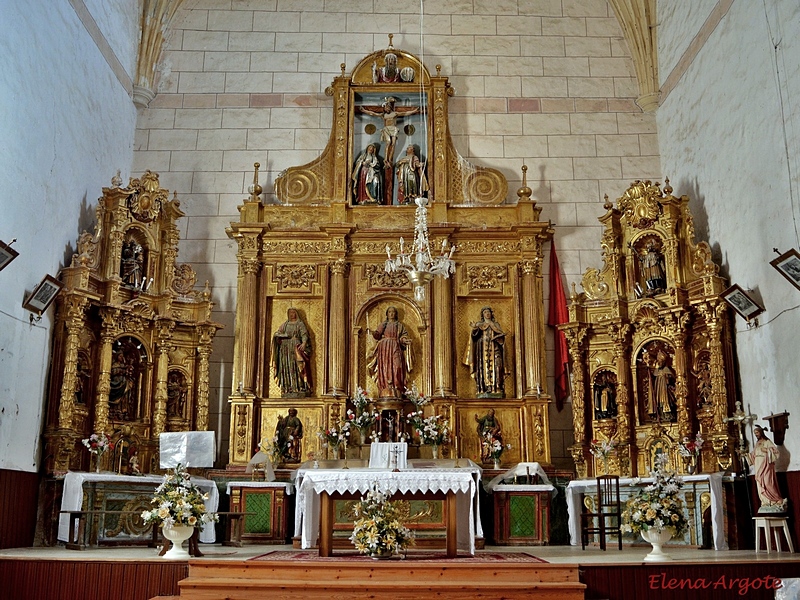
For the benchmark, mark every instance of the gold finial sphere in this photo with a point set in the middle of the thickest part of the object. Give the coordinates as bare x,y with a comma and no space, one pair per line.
607,205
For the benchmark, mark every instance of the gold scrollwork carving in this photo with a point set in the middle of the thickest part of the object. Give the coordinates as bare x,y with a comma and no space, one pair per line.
380,279
640,204
296,276
489,247
487,277
486,187
184,279
594,285
299,187
146,197
271,247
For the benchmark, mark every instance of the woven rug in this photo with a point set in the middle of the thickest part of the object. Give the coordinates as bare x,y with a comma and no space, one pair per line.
481,557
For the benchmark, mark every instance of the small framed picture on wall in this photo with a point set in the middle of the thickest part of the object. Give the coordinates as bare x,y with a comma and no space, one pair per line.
788,265
7,254
43,294
742,302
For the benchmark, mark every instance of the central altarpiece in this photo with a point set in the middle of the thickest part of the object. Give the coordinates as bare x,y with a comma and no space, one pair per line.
312,270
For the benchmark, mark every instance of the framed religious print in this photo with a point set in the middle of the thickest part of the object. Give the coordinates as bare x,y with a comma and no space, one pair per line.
788,265
43,294
741,302
7,254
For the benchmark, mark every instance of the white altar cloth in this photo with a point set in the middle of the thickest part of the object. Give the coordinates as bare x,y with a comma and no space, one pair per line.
380,455
580,486
289,487
519,470
72,498
310,483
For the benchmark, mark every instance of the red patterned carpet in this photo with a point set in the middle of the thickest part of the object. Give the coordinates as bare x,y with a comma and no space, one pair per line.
482,557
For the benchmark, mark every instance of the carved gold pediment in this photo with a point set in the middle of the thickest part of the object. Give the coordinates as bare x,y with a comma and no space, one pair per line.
640,204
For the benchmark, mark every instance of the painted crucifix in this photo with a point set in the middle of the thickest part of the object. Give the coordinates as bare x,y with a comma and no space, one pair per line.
390,113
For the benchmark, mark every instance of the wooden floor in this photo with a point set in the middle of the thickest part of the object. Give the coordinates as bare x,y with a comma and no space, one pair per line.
138,574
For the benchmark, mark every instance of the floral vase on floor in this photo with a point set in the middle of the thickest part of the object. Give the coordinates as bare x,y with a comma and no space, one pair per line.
657,537
177,534
381,554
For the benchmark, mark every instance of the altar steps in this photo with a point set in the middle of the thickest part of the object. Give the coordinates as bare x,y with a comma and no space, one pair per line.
400,580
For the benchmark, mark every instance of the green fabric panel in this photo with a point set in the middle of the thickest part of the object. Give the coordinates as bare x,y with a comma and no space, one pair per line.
522,511
261,521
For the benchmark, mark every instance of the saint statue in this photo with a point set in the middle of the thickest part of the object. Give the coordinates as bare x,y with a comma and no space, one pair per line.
488,430
391,360
763,457
389,73
484,356
661,388
367,178
411,180
289,432
132,268
291,357
652,267
605,404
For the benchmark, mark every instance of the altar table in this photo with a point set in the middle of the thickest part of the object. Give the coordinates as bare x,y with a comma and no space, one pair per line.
628,486
459,485
132,485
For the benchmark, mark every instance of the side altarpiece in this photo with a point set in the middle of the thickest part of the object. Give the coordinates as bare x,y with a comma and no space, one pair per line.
321,250
132,338
650,343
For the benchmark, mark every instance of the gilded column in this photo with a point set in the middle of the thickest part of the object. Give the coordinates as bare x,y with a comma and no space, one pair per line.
619,334
533,324
337,343
575,336
164,334
678,336
108,333
442,325
246,306
73,313
203,355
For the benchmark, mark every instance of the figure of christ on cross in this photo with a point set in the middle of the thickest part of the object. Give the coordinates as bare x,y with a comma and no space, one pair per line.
390,115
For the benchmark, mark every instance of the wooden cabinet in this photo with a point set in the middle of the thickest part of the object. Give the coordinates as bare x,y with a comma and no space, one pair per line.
267,502
522,515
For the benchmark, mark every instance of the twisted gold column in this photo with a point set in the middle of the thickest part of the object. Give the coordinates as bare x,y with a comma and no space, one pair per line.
533,326
337,343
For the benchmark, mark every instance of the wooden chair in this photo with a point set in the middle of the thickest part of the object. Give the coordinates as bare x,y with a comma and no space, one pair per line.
608,508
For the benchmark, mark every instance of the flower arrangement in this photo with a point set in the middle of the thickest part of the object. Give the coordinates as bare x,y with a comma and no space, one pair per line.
335,435
275,449
493,446
416,398
379,530
691,449
362,418
602,450
98,443
658,505
433,430
178,502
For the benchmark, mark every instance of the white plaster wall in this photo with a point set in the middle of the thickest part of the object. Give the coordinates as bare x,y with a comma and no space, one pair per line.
678,23
730,138
66,126
545,82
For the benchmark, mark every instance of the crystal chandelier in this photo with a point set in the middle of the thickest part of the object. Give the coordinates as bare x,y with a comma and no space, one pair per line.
419,264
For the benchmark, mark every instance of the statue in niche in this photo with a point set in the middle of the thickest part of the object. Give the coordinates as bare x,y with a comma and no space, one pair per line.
126,367
291,357
367,177
289,432
411,179
489,430
661,403
132,267
391,359
763,457
390,113
605,395
83,375
484,355
389,73
653,271
177,391
703,378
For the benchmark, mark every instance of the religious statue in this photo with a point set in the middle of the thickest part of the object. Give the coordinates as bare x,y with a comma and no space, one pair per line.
484,356
132,264
367,178
289,432
122,385
390,115
661,387
652,268
488,430
605,404
411,179
291,357
177,391
389,73
391,360
763,457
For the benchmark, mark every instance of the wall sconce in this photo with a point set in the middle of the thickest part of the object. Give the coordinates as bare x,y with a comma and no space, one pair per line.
7,253
788,265
42,296
778,424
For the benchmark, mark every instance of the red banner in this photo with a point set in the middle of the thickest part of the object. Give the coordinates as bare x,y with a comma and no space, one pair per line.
558,314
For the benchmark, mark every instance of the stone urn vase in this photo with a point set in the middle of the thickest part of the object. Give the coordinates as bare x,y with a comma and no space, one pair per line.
177,534
657,537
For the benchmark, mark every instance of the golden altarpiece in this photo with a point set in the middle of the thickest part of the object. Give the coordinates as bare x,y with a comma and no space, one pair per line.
132,337
321,250
650,342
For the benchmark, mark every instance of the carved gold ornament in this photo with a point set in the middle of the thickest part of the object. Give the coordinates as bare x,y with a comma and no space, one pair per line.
639,204
147,197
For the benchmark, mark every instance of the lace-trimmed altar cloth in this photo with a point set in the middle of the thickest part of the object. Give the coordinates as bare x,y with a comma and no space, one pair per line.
310,483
